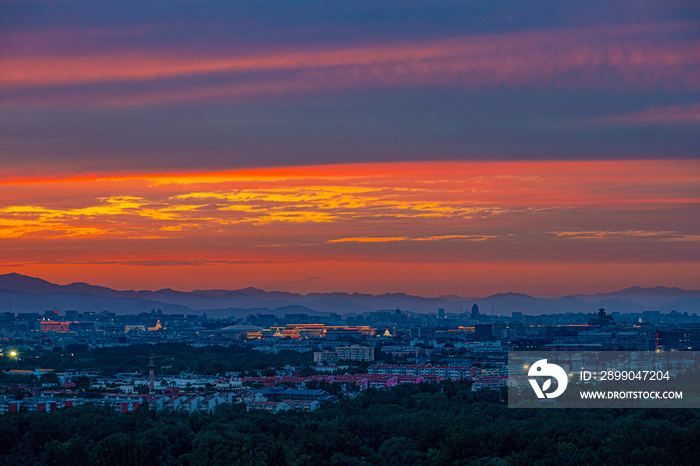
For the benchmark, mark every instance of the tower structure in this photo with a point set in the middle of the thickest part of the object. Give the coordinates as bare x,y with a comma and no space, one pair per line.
475,312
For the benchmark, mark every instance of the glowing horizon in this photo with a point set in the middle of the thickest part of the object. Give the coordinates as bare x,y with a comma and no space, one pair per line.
339,223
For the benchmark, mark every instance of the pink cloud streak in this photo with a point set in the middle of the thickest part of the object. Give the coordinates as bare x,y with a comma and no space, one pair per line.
628,58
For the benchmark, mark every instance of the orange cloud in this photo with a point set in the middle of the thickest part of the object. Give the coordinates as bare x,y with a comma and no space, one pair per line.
661,235
404,238
346,220
434,196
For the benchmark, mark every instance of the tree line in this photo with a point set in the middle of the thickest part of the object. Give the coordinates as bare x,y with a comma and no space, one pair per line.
423,424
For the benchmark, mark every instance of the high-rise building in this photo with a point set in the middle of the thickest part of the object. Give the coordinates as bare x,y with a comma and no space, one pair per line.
355,353
601,320
678,339
441,313
515,327
483,332
475,312
499,329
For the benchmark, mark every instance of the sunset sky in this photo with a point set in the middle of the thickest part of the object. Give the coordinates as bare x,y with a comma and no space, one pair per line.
464,147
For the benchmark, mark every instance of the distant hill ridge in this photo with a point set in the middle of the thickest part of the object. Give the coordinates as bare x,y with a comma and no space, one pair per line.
31,294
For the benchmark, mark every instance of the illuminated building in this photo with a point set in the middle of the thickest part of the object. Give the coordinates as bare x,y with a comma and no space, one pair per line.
299,331
51,326
156,328
248,332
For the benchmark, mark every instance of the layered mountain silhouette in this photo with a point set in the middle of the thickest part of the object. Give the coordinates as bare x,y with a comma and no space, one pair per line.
23,293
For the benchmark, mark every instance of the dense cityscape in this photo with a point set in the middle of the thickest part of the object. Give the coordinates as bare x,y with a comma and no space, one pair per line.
378,350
